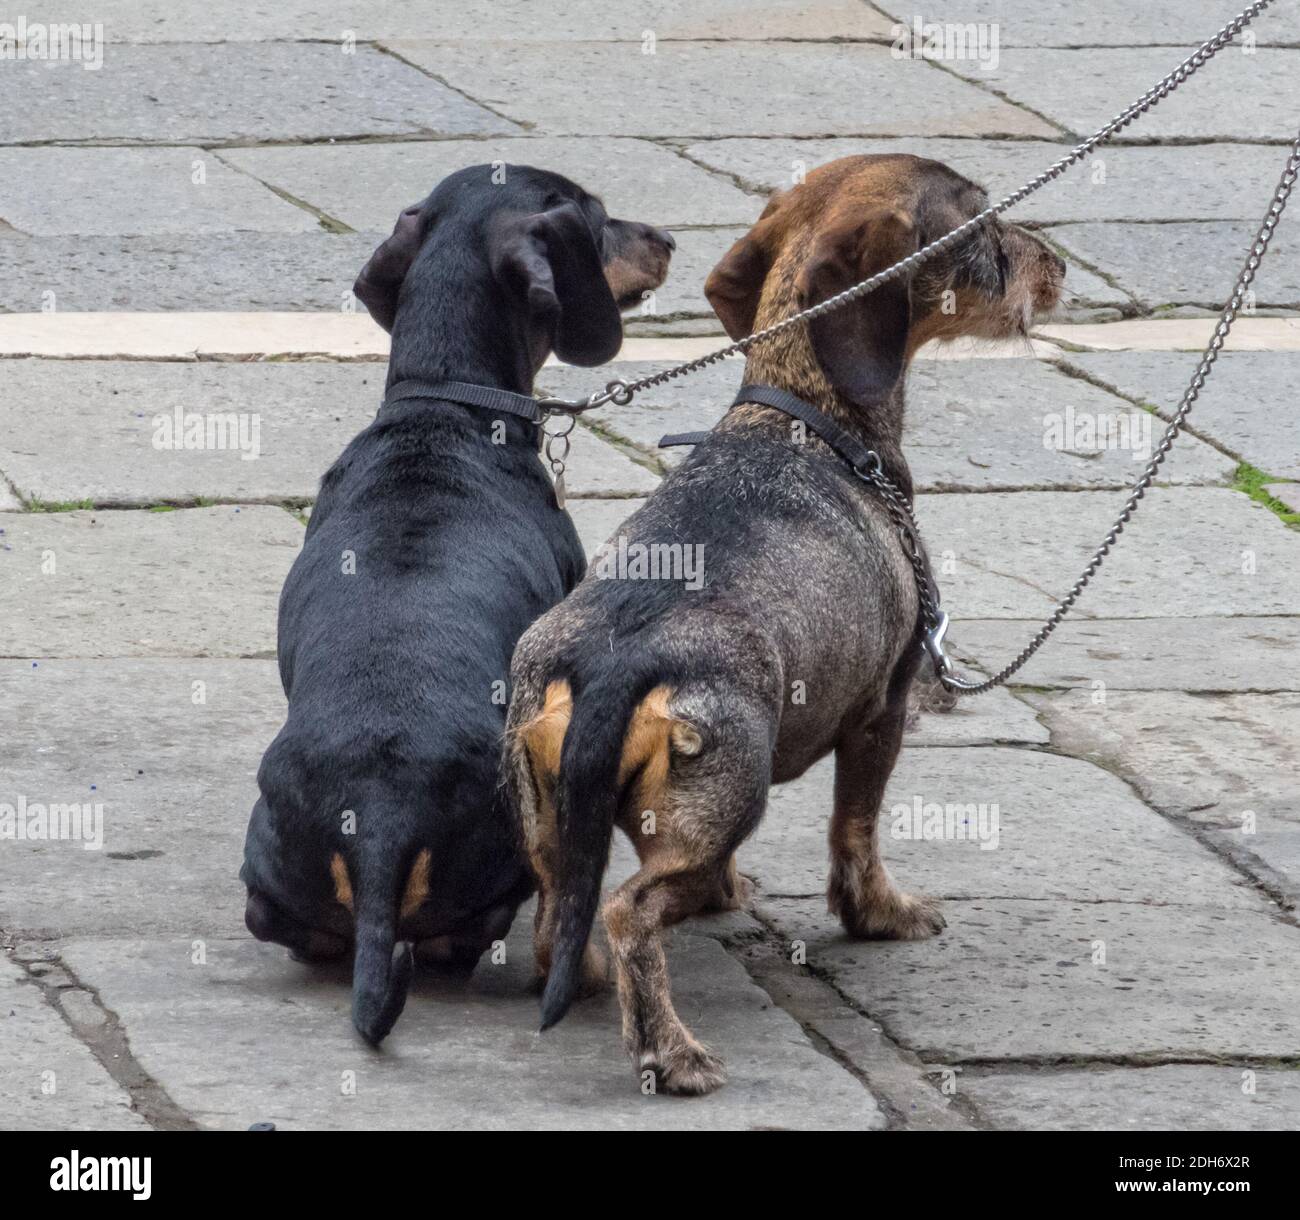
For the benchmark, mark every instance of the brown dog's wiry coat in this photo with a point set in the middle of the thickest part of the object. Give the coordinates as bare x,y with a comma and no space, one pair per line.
669,711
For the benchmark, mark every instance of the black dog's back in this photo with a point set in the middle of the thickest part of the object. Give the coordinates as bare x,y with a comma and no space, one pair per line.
430,550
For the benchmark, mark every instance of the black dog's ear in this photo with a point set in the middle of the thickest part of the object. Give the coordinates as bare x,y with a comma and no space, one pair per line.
381,278
551,259
861,346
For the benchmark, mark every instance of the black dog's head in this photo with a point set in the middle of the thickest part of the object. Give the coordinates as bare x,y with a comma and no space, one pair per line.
518,257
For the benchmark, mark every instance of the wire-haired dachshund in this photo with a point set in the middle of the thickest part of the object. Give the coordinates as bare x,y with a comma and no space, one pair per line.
667,708
436,539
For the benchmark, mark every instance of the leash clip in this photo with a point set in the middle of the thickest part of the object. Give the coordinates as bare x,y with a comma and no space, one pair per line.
932,642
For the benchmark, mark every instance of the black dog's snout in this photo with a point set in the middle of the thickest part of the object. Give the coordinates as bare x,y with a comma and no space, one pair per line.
660,237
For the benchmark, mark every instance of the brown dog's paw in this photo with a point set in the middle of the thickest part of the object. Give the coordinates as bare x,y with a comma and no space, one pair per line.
685,1068
888,914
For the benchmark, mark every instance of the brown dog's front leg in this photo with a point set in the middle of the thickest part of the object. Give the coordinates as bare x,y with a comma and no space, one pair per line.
861,891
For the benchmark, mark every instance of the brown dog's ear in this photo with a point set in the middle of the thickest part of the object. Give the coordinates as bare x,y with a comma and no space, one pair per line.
381,278
736,283
551,259
861,346
734,286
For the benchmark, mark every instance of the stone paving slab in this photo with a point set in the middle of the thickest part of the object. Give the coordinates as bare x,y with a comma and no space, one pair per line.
230,271
1175,182
971,425
1012,555
1288,493
1184,334
252,1037
199,581
1031,825
197,21
86,430
49,1080
239,272
736,88
1187,264
1247,406
365,186
1208,758
1234,97
1177,1097
1107,23
1010,979
87,192
191,93
1192,654
170,748
596,520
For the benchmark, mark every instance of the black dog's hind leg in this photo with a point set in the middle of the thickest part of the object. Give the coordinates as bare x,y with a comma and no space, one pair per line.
268,921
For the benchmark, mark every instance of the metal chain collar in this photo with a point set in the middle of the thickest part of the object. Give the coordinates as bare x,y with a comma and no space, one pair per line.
621,392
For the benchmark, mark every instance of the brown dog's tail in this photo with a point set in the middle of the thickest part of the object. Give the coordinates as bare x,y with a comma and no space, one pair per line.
587,795
380,979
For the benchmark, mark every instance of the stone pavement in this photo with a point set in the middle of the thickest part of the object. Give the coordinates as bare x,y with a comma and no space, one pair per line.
182,227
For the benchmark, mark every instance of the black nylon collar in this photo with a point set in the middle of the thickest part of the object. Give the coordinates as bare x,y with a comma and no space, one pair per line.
852,450
486,397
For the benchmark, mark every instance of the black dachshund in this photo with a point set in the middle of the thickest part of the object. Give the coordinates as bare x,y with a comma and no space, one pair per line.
435,541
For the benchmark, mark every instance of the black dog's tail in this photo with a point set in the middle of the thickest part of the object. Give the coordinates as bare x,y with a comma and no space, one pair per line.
380,980
586,805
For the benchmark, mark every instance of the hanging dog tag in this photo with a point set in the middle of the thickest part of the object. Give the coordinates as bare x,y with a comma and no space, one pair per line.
556,456
560,498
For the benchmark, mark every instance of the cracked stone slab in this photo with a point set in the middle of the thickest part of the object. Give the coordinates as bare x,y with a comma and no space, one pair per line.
1192,654
1234,97
596,520
1190,552
250,1036
721,88
198,581
1186,264
87,192
971,425
1013,979
1176,1097
204,93
1106,23
1024,824
1227,762
49,1079
1226,754
9,503
129,21
1246,406
170,748
1134,183
366,185
85,430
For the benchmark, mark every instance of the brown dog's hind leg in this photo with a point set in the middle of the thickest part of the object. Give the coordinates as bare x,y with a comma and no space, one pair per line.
667,889
861,891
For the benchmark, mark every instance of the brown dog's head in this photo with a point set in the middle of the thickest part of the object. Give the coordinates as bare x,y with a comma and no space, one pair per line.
516,258
851,219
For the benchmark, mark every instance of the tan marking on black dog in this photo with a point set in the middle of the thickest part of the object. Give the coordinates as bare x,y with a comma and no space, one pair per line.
342,883
417,886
